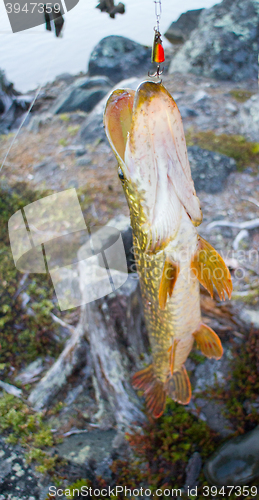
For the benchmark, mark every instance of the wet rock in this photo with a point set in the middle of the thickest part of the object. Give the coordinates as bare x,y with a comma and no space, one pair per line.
118,58
83,94
224,45
209,169
179,31
236,462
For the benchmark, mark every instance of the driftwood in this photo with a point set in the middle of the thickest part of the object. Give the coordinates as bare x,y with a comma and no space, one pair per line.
110,342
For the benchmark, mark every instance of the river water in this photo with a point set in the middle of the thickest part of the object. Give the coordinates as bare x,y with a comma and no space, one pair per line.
35,56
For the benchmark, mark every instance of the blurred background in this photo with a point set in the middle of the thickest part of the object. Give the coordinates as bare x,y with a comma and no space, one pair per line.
35,56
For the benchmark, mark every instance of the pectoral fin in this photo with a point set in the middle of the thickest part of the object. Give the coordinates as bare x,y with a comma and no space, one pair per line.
208,342
211,269
179,387
169,276
154,390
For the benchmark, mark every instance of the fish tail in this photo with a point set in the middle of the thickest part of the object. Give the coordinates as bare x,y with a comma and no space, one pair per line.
154,390
210,269
178,386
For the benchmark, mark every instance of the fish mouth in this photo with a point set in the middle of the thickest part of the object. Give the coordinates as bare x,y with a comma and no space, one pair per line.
150,146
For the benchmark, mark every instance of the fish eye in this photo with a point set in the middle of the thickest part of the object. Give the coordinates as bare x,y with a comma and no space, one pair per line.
121,174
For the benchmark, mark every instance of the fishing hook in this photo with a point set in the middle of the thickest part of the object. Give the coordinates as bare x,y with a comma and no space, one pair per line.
157,73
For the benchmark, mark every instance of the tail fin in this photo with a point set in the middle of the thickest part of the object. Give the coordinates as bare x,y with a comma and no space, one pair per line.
177,387
211,270
154,390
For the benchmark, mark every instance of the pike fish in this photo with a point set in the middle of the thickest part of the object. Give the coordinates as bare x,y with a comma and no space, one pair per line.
146,134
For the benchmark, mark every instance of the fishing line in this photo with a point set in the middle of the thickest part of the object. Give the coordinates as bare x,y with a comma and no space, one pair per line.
18,131
30,108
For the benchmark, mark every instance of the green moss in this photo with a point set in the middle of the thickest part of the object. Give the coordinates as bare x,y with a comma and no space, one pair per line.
30,430
244,385
65,117
63,142
197,357
163,449
241,95
73,129
23,336
236,146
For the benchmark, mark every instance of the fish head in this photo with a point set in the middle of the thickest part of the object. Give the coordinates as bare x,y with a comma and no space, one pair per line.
146,133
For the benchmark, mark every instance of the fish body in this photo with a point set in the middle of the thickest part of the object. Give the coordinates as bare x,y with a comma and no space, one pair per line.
146,134
181,315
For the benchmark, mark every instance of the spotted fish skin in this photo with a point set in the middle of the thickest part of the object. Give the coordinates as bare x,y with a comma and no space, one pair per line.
146,134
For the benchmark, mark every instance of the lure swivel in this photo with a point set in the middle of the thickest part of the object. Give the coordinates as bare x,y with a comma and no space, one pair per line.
158,55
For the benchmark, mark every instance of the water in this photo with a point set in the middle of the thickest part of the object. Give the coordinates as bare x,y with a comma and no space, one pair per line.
35,56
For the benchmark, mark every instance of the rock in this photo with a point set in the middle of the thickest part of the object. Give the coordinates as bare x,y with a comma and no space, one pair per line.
179,31
92,129
17,478
12,105
249,118
224,45
36,122
209,169
79,150
83,94
118,58
250,317
211,372
236,462
212,412
45,169
65,77
187,112
83,161
92,445
192,471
